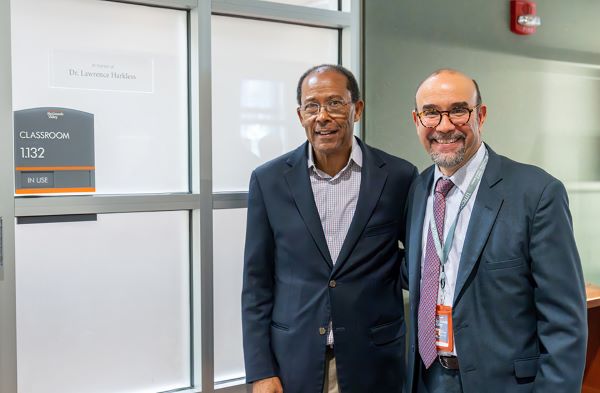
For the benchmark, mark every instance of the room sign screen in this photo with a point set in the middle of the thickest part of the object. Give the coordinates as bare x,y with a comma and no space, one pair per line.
54,151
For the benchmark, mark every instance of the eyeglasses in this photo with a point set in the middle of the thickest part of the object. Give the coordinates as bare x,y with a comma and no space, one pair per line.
432,118
333,107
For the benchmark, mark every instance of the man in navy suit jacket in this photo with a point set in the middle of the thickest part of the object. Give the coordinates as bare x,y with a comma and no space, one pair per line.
322,306
511,286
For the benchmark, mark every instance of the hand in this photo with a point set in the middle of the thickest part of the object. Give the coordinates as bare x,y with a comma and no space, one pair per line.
267,385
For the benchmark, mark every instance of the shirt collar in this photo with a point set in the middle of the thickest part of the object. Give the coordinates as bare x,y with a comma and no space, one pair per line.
462,177
355,155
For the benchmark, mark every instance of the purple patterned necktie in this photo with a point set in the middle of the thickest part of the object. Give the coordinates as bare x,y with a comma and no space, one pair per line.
431,276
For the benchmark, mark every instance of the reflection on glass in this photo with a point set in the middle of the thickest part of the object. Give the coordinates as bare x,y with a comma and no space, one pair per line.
262,113
254,105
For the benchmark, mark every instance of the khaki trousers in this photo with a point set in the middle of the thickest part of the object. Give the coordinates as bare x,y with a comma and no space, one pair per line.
331,382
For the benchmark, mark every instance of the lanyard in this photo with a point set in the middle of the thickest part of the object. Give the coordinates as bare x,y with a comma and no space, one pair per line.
443,252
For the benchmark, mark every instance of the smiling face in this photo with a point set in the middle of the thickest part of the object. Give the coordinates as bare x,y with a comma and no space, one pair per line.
449,146
330,134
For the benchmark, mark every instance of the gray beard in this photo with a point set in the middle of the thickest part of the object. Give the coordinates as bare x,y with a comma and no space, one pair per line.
448,160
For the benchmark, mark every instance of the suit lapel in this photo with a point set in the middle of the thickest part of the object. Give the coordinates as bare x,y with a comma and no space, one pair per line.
299,183
485,210
415,242
373,178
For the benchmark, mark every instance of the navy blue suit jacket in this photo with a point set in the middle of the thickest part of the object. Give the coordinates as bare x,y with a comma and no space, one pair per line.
519,307
288,296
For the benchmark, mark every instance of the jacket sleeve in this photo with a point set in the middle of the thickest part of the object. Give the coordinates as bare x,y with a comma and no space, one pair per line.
402,232
559,294
257,288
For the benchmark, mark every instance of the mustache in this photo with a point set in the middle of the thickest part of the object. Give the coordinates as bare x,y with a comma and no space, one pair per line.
444,136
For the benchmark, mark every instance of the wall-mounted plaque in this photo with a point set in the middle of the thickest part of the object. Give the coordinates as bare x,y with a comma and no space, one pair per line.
101,71
54,151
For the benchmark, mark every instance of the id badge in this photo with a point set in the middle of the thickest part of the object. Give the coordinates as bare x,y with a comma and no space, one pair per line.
444,335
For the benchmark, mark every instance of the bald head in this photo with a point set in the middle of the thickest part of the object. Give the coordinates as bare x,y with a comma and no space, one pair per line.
449,117
441,74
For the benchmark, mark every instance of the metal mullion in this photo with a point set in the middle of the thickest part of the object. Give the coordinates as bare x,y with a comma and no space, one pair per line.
195,37
357,49
282,13
230,389
194,249
242,388
203,92
8,333
230,200
48,206
171,4
356,40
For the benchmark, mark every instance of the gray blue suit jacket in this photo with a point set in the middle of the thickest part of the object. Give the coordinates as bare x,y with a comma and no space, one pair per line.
519,306
288,293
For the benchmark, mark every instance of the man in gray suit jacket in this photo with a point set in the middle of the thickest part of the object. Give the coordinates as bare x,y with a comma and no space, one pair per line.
497,297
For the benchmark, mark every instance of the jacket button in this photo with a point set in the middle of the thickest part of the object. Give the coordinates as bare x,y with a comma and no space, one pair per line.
322,331
332,284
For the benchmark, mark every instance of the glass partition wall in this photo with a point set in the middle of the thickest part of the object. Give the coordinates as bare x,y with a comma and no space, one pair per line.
133,284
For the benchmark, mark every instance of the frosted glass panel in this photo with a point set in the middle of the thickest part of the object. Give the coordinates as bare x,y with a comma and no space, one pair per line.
326,4
103,306
254,91
127,65
586,210
568,87
577,89
229,233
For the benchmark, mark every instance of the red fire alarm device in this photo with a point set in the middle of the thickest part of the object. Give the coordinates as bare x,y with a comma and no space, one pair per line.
523,19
